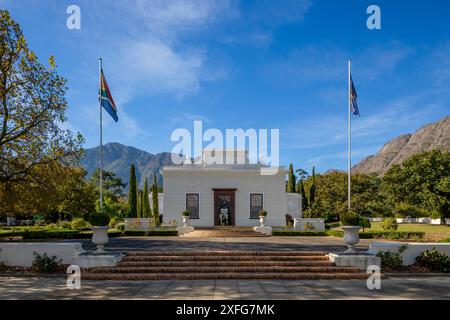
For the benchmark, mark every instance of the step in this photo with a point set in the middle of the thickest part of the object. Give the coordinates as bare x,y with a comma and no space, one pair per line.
131,264
225,258
228,275
227,269
190,253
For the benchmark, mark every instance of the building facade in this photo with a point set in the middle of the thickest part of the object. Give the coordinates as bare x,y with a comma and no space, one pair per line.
224,195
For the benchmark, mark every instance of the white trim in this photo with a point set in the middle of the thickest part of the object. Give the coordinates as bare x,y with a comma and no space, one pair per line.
250,204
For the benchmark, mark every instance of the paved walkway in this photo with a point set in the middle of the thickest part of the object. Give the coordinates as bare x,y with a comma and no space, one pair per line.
326,244
392,288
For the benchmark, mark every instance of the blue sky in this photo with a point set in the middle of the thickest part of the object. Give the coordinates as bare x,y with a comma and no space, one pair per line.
249,64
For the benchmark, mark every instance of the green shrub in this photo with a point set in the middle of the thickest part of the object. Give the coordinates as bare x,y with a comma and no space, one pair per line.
392,235
120,226
134,233
114,233
2,266
56,234
364,223
389,224
114,222
434,260
79,223
45,264
335,233
349,218
262,213
392,260
65,224
289,233
185,213
99,219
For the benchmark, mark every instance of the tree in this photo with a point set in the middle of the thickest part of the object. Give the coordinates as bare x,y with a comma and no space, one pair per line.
301,190
155,200
113,185
132,194
312,190
422,181
32,109
146,210
291,180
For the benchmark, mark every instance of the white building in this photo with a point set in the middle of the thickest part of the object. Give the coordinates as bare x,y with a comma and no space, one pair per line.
217,194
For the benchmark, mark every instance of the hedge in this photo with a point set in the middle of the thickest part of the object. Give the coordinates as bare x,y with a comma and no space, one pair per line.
389,235
151,233
55,234
291,233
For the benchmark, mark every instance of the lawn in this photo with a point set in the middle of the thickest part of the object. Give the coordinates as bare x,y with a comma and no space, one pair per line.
432,232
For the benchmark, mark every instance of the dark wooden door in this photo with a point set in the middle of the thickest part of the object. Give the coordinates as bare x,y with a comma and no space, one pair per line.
224,201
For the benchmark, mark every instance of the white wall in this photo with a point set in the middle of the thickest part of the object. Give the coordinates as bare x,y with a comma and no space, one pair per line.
21,253
177,184
413,249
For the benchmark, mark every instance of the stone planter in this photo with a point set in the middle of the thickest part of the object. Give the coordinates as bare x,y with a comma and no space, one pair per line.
262,220
100,237
351,237
185,221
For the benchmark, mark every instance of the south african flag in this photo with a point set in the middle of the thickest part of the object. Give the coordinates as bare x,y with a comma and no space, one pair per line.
106,98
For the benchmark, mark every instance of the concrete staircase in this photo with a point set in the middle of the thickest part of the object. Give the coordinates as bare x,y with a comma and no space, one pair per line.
189,265
207,232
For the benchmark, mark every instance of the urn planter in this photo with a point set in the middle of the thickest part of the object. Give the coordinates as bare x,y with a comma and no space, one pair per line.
351,237
100,237
262,221
185,221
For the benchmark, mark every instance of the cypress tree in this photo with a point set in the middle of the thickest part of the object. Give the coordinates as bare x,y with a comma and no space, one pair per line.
312,190
146,211
291,180
304,198
139,203
132,194
155,200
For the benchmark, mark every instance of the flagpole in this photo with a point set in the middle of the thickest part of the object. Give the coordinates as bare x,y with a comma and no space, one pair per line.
101,133
349,165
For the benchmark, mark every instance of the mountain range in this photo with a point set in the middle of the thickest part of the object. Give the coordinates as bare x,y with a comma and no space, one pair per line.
117,158
429,137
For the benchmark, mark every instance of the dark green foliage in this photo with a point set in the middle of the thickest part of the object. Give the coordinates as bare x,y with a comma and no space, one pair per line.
389,224
151,233
45,264
146,210
391,260
422,181
364,223
79,223
290,188
132,194
312,190
304,197
155,200
403,210
434,260
290,233
99,219
349,218
262,213
185,213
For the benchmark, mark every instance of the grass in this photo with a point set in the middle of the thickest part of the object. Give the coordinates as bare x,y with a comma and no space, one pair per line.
433,233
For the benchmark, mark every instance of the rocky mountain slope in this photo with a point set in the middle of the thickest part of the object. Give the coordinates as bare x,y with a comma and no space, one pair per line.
117,158
430,137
